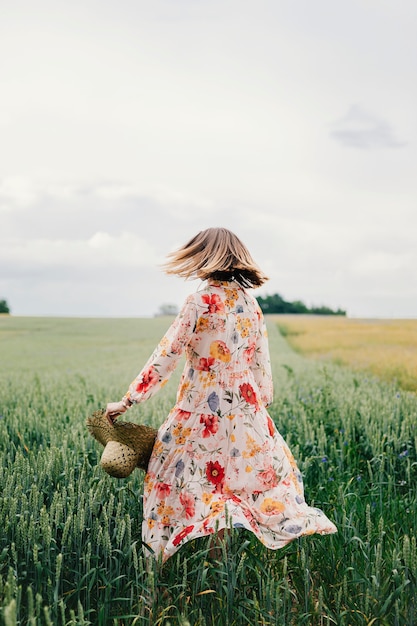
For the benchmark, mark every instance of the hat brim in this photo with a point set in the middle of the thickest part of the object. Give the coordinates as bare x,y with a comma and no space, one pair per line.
138,437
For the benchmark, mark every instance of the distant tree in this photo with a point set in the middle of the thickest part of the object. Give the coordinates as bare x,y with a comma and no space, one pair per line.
297,307
4,307
167,309
273,304
324,310
276,304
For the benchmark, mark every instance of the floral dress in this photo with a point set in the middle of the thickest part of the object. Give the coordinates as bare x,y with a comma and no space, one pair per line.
218,459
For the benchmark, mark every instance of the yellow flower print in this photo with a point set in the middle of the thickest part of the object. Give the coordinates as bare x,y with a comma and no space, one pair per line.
231,293
216,507
232,438
272,507
252,447
202,324
248,468
220,351
148,483
181,434
206,497
231,297
158,448
183,390
243,325
208,379
177,430
164,511
290,457
151,523
230,416
166,520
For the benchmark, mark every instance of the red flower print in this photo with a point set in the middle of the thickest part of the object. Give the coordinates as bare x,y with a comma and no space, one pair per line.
182,415
214,303
214,472
249,352
248,393
211,424
271,427
206,529
149,378
204,364
162,490
268,478
188,502
182,534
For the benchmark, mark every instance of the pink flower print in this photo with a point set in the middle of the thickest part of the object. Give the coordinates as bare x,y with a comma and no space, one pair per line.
249,352
214,303
204,364
182,415
188,502
268,478
207,530
149,378
211,424
162,490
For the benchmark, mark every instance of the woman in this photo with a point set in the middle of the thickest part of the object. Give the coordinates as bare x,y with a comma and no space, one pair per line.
218,459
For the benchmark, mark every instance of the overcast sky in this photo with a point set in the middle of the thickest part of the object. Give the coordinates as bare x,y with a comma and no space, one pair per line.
126,126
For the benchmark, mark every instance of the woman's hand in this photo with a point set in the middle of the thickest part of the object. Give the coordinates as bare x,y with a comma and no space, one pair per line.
114,409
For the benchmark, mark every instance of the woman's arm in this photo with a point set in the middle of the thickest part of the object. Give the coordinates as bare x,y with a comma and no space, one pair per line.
161,363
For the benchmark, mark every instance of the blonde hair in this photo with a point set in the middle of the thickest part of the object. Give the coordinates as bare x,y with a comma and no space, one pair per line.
215,253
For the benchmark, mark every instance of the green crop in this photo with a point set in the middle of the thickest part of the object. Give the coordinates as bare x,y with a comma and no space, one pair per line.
70,538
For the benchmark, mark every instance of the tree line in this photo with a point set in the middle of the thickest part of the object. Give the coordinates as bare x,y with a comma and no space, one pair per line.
269,304
4,307
276,304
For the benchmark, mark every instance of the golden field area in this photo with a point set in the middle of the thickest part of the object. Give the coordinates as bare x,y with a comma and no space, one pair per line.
387,348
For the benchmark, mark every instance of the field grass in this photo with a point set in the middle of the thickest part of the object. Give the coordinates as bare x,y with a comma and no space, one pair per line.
386,348
70,549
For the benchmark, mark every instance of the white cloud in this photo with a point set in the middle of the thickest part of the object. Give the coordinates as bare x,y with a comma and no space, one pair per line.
361,129
102,250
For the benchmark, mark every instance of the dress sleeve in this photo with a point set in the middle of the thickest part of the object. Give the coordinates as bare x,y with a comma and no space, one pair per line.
166,355
261,363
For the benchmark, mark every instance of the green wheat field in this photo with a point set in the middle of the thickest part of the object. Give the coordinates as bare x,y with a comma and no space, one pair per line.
70,544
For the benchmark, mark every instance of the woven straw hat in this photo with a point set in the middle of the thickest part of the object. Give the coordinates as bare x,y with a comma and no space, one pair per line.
126,445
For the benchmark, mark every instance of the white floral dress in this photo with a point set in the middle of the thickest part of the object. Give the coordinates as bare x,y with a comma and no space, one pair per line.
218,459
